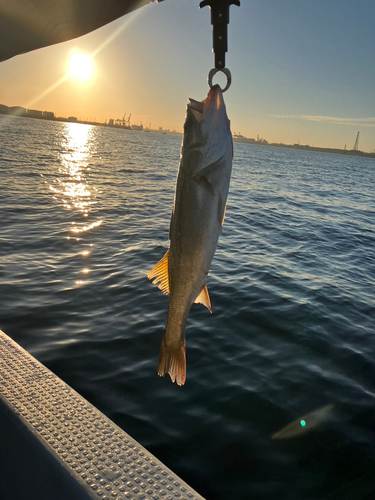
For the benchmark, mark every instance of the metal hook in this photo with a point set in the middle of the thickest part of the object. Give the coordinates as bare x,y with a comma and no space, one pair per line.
226,72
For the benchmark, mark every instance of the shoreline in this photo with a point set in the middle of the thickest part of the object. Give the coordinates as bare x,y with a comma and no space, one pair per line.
242,140
350,152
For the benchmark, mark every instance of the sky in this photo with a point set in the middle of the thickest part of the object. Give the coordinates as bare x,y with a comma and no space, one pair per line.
302,71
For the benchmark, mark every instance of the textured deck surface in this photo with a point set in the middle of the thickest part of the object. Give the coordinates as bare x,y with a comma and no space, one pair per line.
91,451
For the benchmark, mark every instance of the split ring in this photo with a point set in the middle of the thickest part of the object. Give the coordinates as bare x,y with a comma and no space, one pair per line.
226,72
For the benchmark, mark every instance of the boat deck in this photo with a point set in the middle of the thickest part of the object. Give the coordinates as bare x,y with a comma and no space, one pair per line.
55,445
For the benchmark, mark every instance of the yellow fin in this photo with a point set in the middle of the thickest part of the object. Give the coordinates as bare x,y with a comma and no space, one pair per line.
204,298
160,273
172,360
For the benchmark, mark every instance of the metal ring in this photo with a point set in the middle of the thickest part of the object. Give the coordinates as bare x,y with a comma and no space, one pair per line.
226,72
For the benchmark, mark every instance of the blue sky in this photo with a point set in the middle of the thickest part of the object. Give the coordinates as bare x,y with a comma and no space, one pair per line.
302,70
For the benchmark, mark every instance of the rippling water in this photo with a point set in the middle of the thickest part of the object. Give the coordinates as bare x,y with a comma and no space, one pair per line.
85,215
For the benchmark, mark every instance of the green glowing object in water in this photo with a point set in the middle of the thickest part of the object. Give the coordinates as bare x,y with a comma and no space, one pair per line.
299,426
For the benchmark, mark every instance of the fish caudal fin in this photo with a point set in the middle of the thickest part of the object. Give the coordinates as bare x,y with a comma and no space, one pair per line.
172,360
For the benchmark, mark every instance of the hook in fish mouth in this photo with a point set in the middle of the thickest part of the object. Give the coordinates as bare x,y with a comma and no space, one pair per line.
226,72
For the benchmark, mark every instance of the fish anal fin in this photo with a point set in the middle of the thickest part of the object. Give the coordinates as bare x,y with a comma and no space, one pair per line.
172,360
159,274
204,298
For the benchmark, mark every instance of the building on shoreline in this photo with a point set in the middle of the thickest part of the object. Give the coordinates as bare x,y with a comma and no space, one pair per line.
27,113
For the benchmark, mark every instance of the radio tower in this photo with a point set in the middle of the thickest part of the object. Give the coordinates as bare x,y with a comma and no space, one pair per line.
355,147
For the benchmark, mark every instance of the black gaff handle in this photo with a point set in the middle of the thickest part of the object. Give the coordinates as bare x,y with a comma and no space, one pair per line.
219,21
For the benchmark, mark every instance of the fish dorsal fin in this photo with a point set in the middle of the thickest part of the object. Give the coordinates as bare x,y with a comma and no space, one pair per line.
204,298
160,274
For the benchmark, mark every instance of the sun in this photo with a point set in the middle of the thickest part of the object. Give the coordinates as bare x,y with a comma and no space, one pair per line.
80,66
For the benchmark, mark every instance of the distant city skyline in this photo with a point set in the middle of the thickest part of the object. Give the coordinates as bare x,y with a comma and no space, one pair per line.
124,123
302,72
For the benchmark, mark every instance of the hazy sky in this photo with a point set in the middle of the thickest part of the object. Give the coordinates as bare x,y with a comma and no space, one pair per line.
303,70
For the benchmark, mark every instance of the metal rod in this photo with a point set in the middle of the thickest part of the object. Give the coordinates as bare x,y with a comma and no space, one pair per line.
219,21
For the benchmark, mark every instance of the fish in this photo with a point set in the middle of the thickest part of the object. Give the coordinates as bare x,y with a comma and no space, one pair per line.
196,222
304,424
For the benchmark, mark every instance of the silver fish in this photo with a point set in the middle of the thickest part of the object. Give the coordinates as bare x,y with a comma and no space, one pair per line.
196,222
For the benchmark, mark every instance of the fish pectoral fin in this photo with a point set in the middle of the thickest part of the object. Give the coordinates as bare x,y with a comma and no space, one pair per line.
204,298
222,205
159,274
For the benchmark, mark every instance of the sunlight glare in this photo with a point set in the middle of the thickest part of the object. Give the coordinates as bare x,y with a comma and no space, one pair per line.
80,66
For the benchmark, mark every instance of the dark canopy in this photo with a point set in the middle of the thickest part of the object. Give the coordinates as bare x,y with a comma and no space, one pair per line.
30,24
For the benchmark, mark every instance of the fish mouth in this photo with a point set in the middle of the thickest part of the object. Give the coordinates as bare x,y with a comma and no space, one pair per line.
213,102
196,105
195,109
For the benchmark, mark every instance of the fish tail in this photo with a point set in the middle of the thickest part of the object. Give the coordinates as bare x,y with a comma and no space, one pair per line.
172,360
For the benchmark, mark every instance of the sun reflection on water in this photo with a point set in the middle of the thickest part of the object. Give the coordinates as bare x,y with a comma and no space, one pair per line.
72,185
77,145
86,228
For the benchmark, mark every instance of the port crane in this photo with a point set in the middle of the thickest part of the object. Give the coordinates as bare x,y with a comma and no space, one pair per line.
126,121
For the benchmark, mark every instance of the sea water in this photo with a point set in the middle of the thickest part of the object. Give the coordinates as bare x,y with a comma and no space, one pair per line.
84,215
